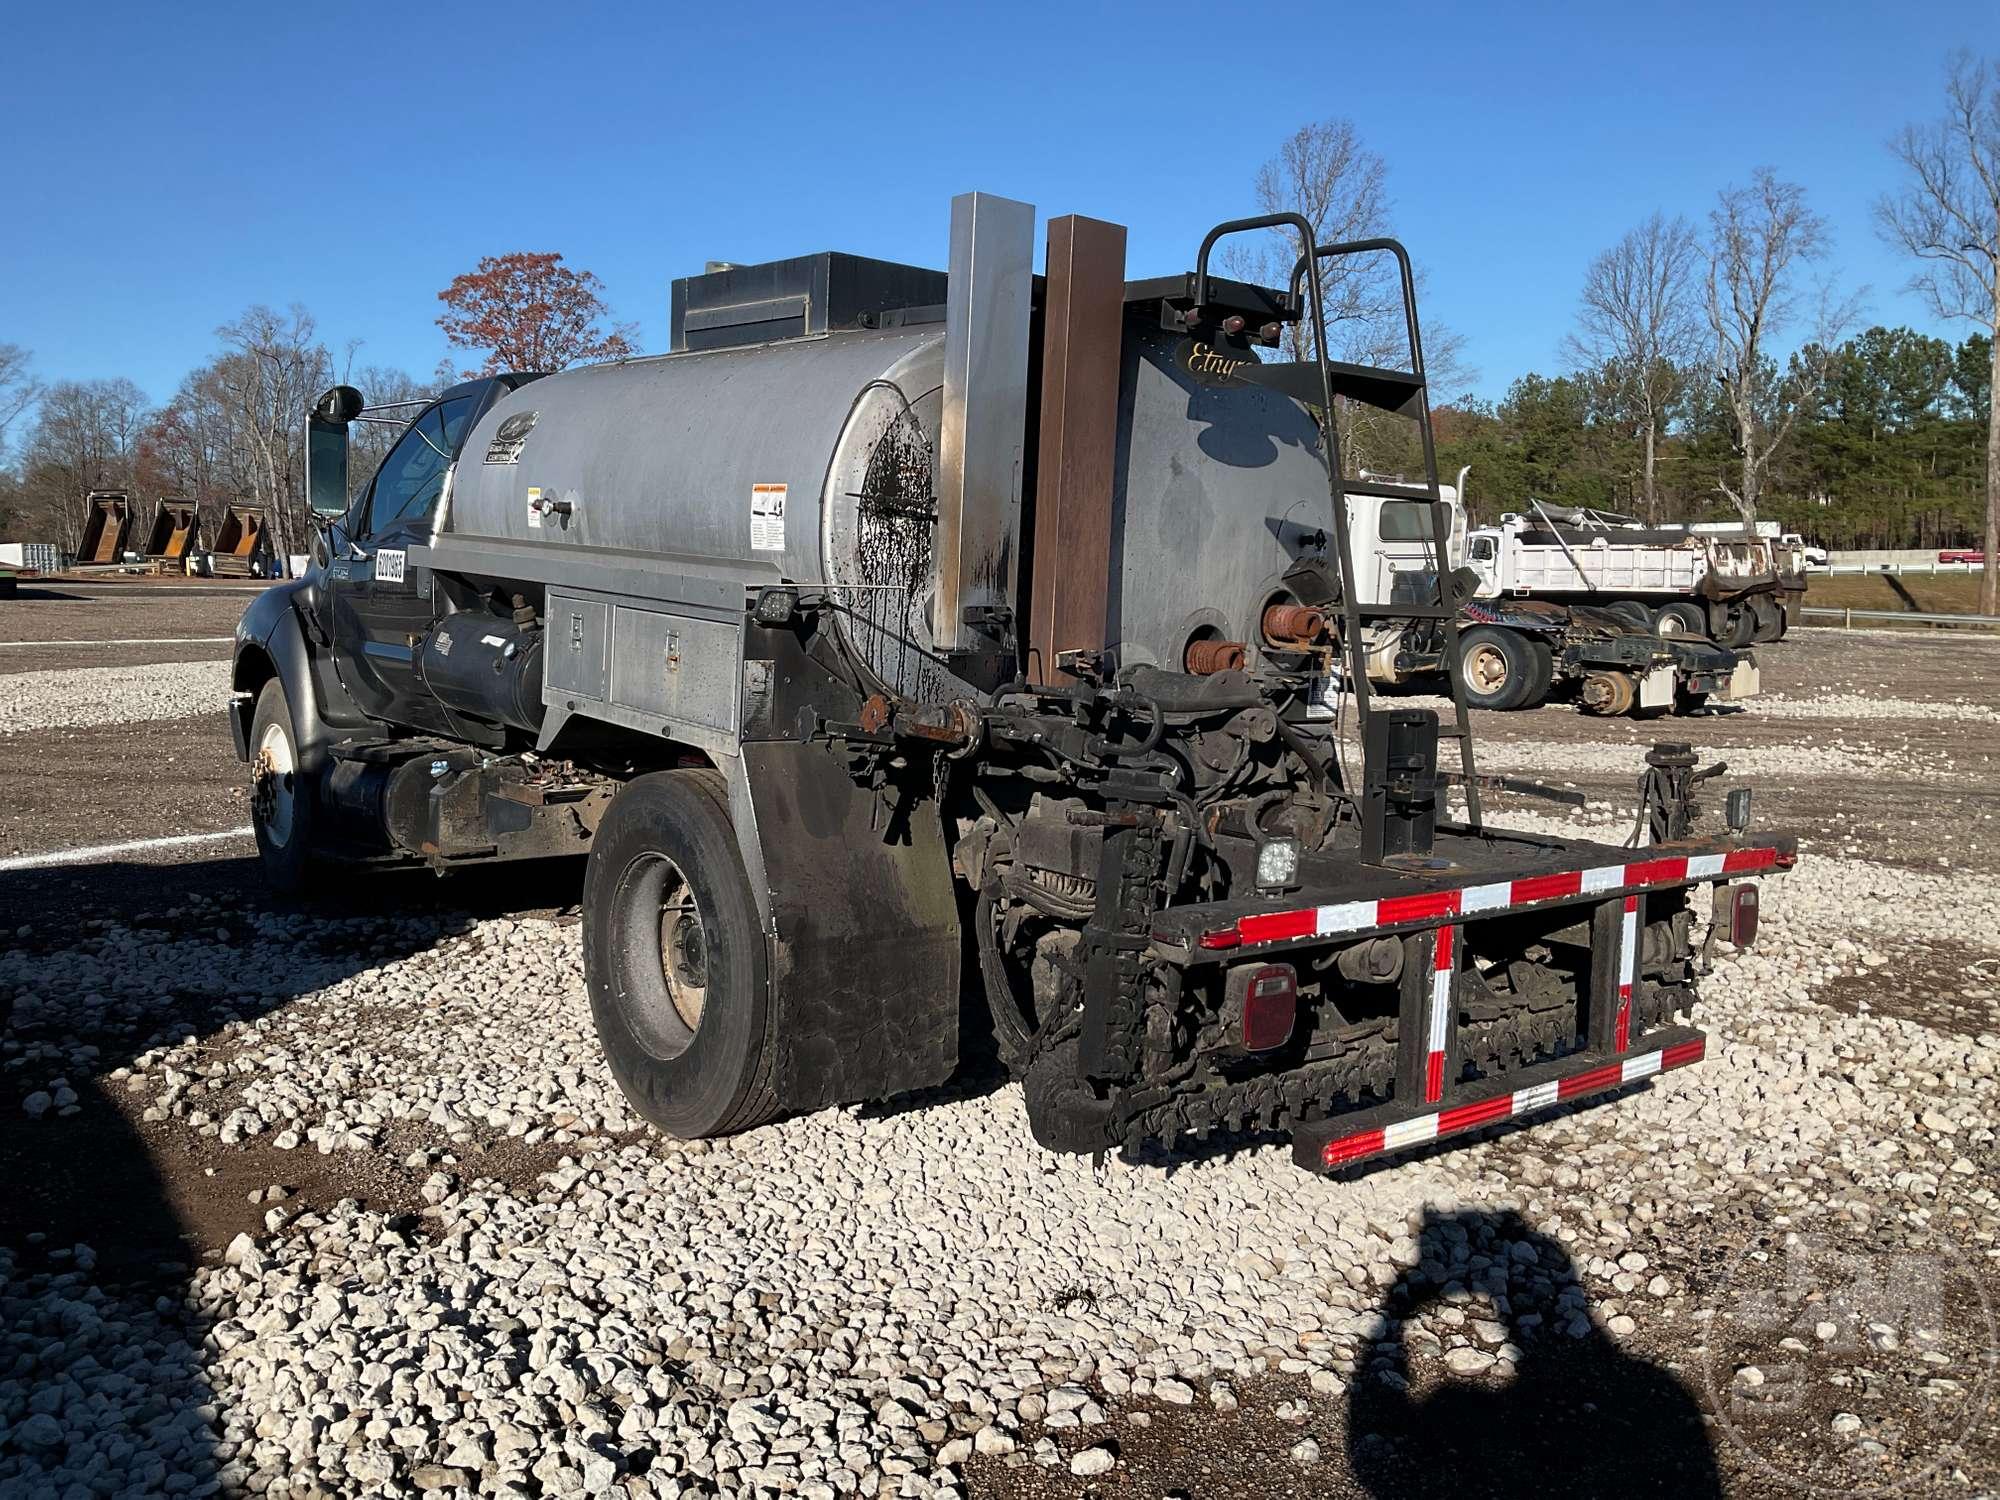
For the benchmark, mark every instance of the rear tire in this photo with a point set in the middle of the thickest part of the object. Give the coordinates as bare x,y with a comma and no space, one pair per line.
1731,624
1498,667
1767,619
283,808
1544,677
674,959
1682,618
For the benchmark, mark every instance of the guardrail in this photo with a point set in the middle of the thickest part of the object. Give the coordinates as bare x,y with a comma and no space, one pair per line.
1897,616
1864,570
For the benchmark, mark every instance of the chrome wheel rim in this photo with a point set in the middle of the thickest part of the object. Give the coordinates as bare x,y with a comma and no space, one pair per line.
274,784
1486,667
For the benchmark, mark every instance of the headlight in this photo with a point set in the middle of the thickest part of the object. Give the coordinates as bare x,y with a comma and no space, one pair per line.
1277,864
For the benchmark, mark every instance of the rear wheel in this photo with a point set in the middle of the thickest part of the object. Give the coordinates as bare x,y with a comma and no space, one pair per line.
1767,619
282,805
1498,667
1731,624
673,959
1683,619
1544,676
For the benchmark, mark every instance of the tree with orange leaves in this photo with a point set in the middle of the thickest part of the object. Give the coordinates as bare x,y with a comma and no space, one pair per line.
531,312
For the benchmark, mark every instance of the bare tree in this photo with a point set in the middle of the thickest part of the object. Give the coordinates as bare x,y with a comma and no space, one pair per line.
1638,328
275,367
18,390
1324,173
1761,240
85,437
192,445
1948,216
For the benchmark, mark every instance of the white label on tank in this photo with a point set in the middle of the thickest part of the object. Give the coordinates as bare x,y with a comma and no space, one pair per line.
389,566
534,510
767,518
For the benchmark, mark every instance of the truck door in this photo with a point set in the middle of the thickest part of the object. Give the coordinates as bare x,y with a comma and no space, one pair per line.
1483,557
381,601
1404,546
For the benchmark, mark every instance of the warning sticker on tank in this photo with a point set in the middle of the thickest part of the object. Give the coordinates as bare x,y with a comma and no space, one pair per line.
767,517
389,566
1324,701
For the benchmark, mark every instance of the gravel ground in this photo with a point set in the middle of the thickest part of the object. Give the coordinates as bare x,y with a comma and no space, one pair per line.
345,1203
81,696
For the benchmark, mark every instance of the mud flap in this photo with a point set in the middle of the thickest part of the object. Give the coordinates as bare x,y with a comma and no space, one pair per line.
1743,681
864,931
1656,688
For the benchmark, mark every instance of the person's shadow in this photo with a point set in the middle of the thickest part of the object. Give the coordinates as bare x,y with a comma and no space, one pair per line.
1578,1417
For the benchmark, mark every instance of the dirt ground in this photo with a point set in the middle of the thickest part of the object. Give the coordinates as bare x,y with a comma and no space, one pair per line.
1918,786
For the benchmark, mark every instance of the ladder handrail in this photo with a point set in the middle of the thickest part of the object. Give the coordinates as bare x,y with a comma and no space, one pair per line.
1306,277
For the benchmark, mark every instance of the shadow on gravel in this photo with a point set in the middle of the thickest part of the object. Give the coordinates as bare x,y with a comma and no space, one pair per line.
103,1385
1580,1416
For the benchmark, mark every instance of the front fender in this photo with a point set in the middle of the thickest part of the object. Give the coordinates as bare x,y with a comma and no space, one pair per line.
271,641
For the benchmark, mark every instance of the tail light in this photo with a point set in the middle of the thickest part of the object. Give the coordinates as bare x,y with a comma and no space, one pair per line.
1736,913
1266,997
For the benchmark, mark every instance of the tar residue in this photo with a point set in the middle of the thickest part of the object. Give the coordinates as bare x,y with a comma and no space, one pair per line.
896,513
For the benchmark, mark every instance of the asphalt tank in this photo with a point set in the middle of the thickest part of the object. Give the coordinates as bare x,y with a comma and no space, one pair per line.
812,461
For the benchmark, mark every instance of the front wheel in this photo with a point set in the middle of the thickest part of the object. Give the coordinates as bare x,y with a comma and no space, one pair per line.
283,808
674,960
1497,667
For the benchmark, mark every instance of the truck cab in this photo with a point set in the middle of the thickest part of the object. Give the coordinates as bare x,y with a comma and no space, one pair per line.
1390,535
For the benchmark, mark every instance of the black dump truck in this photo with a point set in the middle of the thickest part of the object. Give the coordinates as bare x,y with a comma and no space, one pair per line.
905,635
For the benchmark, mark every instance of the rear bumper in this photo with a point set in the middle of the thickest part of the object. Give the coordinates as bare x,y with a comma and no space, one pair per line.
1332,1144
1359,918
1623,1025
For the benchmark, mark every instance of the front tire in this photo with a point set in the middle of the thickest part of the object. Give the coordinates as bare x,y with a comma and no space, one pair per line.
1497,667
674,959
283,808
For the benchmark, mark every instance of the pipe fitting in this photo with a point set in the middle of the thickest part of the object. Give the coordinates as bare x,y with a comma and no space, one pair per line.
1204,658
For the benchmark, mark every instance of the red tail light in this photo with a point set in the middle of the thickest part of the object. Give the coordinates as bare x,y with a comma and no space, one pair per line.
1270,1005
1736,913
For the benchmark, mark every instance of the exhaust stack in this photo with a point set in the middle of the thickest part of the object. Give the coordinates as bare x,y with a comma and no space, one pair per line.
983,436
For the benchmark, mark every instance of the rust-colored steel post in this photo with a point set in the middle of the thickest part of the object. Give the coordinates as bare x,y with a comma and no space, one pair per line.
1082,332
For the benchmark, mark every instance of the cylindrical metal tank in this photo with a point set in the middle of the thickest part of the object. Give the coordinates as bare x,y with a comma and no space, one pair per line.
485,667
812,461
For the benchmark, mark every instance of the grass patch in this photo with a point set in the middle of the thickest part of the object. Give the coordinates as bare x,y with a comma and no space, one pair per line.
1936,594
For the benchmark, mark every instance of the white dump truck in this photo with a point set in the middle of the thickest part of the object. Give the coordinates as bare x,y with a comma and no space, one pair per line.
1524,638
1732,584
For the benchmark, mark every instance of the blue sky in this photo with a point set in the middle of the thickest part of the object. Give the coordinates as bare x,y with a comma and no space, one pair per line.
164,167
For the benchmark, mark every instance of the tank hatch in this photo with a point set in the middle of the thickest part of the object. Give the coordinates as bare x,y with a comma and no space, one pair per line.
809,294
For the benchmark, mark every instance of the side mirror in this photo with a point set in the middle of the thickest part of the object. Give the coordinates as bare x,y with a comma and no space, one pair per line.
326,449
340,405
326,466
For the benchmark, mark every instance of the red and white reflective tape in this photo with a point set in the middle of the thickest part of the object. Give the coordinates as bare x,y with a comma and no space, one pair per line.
1628,963
1441,972
1390,911
1428,1127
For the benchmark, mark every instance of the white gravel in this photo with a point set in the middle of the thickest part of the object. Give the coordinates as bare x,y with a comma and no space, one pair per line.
1873,706
856,1301
77,697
